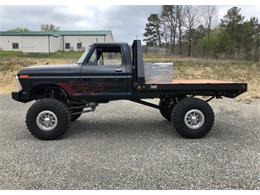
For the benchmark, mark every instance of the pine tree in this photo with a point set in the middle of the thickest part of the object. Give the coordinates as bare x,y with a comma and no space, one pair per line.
152,31
232,24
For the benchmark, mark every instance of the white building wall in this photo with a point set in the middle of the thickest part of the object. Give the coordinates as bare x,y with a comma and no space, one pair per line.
35,44
85,40
6,43
55,44
46,44
109,38
61,46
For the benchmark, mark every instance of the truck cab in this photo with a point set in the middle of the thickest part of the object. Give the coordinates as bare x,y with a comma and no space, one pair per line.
106,71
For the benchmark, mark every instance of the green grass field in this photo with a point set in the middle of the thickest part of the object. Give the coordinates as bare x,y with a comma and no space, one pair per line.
59,54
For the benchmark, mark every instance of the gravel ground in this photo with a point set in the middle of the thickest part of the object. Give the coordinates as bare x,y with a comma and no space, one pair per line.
124,145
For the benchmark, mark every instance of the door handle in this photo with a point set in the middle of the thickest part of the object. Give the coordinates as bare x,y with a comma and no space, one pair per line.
119,70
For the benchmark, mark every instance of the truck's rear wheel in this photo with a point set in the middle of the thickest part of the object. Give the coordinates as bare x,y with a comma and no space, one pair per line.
165,109
166,106
48,119
192,118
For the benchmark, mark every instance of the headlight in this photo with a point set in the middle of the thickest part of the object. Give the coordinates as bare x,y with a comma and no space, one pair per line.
18,83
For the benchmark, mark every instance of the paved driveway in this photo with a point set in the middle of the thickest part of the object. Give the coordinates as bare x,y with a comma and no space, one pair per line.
124,145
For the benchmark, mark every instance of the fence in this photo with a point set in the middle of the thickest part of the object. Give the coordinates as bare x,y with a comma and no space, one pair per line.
155,50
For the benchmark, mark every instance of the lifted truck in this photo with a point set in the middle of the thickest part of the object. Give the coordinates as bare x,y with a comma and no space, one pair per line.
64,92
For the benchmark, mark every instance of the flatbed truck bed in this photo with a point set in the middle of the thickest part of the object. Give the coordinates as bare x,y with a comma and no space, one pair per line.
198,87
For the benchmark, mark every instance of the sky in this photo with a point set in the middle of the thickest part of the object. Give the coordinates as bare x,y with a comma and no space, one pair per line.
126,22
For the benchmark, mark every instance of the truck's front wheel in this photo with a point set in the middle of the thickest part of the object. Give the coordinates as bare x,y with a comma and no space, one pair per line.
48,119
192,117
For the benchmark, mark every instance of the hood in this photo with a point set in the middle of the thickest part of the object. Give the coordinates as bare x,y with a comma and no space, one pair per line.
48,69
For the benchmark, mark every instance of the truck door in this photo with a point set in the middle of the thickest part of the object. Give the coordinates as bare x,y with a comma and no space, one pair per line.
104,74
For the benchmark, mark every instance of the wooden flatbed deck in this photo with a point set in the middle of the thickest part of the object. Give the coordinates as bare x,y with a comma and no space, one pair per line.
200,81
193,81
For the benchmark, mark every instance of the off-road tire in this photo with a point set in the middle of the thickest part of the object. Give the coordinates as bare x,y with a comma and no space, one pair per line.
166,109
55,106
183,107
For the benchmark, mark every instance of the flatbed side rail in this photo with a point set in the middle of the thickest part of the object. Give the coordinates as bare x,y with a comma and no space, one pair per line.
212,89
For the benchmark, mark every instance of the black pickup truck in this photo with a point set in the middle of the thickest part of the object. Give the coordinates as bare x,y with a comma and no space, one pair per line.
108,72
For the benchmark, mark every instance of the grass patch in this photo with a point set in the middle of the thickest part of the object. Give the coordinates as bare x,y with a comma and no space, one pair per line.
58,54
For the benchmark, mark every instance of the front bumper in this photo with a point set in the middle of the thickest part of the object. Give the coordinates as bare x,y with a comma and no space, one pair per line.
20,96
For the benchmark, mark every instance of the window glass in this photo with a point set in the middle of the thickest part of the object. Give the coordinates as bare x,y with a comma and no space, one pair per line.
106,56
111,58
79,45
67,45
93,58
83,57
15,45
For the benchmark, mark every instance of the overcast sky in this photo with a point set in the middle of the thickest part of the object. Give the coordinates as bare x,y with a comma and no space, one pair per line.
126,22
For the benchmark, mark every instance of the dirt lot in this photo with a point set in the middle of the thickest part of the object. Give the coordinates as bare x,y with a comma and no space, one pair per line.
184,68
10,66
123,145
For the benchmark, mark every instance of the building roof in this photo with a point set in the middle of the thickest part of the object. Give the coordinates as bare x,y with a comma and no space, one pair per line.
56,33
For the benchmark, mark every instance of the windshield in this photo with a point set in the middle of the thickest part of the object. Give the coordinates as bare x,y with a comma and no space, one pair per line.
84,55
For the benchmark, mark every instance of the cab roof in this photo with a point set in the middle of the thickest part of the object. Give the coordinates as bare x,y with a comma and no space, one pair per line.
116,43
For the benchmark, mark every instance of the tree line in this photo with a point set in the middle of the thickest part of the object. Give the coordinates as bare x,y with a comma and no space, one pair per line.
44,28
189,30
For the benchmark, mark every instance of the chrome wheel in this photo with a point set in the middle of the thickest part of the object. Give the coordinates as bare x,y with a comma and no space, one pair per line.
46,120
194,119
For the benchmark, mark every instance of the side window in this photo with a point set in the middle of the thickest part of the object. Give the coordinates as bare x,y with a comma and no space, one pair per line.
111,58
102,56
79,45
15,45
67,45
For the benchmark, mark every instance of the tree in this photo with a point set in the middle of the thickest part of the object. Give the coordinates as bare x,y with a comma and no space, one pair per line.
168,16
210,13
180,15
232,20
153,33
190,29
219,43
225,44
198,33
249,33
191,22
232,23
165,32
19,29
256,38
49,28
